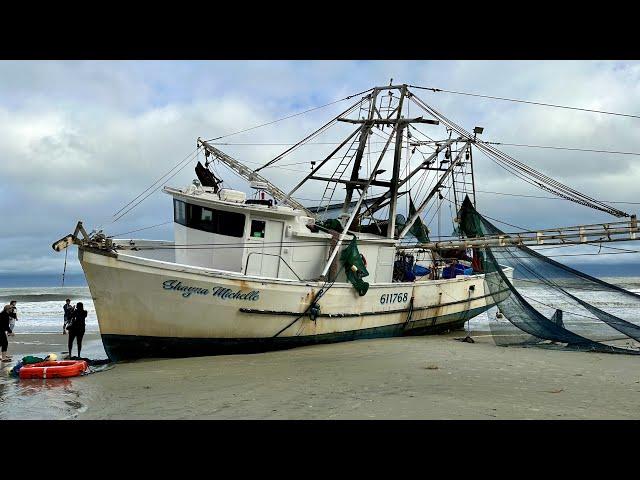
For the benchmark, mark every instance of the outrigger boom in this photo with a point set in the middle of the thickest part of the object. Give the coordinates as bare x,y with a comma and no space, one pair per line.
593,233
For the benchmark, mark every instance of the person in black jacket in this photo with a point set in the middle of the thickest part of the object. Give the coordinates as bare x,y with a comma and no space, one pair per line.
76,327
13,316
5,318
68,314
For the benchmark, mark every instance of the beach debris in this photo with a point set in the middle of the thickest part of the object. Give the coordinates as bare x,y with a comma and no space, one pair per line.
466,339
98,368
31,359
15,371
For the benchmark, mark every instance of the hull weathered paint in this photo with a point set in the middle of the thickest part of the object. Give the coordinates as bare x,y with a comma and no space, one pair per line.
124,347
151,308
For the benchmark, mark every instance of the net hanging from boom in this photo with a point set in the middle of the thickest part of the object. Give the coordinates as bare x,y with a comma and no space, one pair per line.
547,301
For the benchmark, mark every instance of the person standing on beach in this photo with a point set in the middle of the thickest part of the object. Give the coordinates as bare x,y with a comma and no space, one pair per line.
68,313
5,318
13,316
76,327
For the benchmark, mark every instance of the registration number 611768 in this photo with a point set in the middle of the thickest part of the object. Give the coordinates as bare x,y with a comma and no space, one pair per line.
393,298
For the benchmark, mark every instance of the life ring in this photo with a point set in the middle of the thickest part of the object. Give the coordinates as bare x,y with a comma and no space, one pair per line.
67,368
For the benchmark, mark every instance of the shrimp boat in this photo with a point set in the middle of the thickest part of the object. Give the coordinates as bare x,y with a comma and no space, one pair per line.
247,275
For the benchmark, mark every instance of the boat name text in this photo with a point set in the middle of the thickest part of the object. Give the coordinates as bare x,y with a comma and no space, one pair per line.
221,292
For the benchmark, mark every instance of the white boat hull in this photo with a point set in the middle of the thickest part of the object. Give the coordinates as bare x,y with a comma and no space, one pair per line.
153,308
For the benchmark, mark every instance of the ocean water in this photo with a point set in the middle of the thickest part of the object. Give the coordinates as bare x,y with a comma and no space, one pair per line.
40,308
628,310
575,318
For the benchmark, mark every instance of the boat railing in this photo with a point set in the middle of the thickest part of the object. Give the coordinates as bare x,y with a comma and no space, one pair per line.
162,250
246,265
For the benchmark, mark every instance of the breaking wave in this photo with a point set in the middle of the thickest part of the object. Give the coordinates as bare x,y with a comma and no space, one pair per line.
45,294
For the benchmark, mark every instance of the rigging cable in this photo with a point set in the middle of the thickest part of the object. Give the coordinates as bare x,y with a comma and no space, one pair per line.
619,251
184,164
224,136
436,90
553,147
290,116
548,198
539,179
139,230
314,134
156,182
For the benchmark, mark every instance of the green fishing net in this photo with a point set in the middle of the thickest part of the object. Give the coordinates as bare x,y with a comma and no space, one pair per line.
354,267
542,301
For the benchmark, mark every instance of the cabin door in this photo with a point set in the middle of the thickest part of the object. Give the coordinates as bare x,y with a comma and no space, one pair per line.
265,245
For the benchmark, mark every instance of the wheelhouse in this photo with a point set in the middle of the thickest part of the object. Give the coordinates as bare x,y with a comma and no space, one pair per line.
224,231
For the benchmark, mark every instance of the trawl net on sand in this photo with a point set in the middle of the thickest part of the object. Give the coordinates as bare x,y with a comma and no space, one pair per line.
550,302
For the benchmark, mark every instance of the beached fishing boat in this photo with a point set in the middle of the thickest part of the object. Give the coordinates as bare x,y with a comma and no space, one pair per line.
246,275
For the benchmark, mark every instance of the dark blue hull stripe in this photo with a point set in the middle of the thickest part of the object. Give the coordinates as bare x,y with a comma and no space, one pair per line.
126,347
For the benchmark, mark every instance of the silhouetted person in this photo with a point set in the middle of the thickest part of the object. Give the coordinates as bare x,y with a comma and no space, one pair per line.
68,314
76,327
13,316
5,318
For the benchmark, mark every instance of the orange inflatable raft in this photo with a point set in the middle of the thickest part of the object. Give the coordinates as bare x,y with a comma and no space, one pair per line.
66,368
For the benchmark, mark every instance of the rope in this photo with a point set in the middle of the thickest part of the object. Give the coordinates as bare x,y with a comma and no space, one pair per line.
64,270
312,303
409,315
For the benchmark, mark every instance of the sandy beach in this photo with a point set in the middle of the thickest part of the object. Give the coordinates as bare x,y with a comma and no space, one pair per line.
432,377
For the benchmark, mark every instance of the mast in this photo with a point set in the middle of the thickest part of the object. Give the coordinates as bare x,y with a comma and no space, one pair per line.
365,131
393,189
356,209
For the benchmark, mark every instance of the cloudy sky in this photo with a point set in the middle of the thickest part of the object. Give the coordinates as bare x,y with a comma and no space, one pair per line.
79,139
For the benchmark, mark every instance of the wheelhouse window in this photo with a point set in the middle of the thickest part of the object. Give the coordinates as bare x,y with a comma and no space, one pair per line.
257,228
179,212
209,220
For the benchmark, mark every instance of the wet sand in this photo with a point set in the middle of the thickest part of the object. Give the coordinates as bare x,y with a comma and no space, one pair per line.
55,398
433,377
33,343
